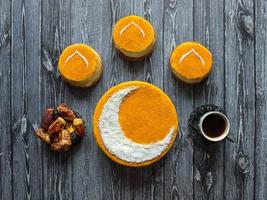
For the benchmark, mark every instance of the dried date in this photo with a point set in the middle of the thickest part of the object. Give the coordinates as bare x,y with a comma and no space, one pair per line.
57,126
65,139
66,112
47,119
43,136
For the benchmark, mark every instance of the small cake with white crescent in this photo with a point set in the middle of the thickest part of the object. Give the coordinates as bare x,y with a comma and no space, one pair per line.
191,62
135,123
80,65
134,37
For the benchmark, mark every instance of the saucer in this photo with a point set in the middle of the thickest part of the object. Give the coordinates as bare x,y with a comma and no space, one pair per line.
194,119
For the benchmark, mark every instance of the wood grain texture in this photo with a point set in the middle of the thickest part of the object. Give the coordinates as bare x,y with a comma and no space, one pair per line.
33,33
178,27
152,72
112,75
208,159
25,69
260,164
127,182
55,36
84,100
239,99
5,101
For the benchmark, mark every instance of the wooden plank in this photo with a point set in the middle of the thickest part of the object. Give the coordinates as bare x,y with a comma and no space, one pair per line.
151,70
56,35
114,70
87,28
5,84
25,93
260,191
126,182
208,159
178,28
239,99
145,183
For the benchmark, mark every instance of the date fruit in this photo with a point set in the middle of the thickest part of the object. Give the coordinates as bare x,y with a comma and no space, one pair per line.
80,130
48,119
43,136
66,112
57,126
61,127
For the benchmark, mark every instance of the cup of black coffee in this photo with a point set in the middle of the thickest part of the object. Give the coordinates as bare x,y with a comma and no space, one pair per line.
214,126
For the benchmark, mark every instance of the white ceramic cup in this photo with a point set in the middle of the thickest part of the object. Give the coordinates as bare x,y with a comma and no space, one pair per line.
223,135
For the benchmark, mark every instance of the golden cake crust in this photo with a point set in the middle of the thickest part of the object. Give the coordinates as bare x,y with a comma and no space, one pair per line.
134,37
80,65
127,125
191,62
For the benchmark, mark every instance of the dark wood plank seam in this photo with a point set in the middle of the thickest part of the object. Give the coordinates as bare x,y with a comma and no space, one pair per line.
255,99
224,100
62,98
24,68
41,91
10,98
25,100
194,105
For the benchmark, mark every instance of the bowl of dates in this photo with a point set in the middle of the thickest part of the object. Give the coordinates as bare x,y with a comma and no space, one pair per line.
61,127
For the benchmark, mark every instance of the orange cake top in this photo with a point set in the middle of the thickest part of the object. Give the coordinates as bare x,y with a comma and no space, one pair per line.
78,62
135,123
133,34
191,60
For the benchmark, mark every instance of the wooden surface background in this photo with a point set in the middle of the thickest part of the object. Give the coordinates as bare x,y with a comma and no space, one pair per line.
33,33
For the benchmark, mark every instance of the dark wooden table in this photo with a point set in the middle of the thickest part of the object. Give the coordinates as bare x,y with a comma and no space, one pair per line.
33,33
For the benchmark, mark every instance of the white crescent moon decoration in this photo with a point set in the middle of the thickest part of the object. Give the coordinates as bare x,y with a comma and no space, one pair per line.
78,54
114,138
134,24
194,52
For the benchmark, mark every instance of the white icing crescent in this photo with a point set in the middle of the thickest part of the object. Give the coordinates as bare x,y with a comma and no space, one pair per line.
114,138
80,55
136,25
188,53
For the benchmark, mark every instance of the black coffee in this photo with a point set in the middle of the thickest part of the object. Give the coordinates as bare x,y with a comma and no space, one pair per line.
214,125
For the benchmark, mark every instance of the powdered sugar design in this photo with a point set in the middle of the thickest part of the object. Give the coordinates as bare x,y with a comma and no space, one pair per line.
115,140
136,25
80,55
188,53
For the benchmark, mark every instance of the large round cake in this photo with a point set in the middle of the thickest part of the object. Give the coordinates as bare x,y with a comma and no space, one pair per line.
135,123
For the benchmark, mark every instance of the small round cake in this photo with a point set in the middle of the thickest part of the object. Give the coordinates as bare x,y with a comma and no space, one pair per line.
191,62
80,65
135,123
134,37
